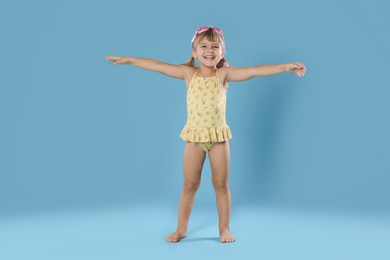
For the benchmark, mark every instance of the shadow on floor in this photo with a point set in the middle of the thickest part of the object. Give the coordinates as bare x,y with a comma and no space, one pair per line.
200,239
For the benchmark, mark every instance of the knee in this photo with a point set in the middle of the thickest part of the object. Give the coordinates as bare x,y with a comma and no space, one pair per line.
220,185
191,186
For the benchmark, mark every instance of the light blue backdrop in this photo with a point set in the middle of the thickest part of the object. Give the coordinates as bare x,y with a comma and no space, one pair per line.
77,131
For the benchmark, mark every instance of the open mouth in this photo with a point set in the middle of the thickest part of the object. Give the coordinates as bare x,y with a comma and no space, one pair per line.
209,57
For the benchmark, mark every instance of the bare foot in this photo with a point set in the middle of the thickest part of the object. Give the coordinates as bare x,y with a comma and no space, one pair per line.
226,237
176,236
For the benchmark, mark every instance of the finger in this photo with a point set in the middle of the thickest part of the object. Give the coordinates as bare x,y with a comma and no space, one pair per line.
301,68
295,65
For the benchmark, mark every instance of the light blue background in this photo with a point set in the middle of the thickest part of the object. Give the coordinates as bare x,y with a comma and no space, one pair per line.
80,133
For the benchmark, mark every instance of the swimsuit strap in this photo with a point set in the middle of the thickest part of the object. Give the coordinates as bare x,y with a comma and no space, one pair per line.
219,78
193,76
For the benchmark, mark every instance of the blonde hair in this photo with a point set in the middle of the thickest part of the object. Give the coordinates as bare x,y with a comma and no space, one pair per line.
212,36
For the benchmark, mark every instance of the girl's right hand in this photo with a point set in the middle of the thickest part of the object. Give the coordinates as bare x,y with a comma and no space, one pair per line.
116,60
296,67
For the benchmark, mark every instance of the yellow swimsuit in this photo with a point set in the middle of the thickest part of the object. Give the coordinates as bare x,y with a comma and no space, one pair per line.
206,107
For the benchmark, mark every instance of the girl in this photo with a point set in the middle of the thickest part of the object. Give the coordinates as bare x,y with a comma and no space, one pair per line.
206,130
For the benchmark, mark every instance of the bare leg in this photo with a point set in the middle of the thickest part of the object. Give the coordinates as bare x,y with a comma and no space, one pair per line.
219,156
193,161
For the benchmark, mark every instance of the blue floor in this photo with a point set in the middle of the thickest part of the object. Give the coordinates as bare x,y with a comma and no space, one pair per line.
139,233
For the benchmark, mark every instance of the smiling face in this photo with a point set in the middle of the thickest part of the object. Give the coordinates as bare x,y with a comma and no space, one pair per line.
208,52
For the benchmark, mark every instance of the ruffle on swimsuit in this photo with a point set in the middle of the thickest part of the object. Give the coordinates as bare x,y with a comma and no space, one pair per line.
206,134
206,107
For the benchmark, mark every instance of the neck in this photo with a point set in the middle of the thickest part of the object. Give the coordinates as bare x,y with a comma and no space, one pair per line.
206,72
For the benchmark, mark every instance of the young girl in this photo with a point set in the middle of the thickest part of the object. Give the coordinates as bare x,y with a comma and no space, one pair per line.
206,130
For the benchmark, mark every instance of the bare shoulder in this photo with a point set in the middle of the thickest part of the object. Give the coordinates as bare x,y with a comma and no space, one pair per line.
188,73
223,75
188,70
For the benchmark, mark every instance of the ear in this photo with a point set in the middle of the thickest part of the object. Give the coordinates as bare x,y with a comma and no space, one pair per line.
194,53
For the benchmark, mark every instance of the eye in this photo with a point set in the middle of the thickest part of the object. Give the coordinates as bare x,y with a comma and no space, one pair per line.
216,46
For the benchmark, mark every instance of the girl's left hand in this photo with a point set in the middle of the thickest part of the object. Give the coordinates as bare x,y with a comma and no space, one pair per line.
296,67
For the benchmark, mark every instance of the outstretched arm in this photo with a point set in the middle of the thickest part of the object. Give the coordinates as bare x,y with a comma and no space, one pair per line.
175,71
240,74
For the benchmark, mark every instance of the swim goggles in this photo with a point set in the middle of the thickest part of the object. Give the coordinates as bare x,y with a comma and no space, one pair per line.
205,28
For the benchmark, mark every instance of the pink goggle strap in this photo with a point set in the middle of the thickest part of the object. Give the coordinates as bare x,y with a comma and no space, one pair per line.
205,28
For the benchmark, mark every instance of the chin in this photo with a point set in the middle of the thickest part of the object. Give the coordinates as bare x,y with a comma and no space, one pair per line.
212,65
